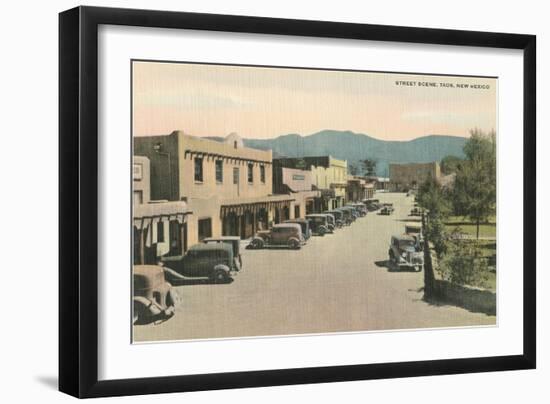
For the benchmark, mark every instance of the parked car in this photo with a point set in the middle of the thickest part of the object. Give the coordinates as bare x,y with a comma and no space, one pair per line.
154,299
372,204
405,251
207,261
282,234
338,217
304,224
348,217
415,230
388,205
386,211
331,222
234,242
354,211
360,208
416,211
318,223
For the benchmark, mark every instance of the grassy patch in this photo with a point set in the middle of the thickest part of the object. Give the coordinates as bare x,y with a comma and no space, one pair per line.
488,229
488,250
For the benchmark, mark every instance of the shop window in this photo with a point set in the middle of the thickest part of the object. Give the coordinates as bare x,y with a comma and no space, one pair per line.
198,169
262,174
250,173
219,171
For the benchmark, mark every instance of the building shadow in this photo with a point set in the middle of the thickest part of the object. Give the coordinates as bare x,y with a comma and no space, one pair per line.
474,300
199,281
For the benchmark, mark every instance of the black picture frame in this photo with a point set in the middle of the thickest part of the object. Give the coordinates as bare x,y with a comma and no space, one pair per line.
78,195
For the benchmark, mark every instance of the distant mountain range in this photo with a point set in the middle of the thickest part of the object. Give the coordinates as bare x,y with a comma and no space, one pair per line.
354,147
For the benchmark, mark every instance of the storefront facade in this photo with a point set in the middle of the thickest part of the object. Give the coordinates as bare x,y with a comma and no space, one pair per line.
227,186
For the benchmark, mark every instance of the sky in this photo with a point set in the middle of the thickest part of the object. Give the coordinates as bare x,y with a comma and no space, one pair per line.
260,102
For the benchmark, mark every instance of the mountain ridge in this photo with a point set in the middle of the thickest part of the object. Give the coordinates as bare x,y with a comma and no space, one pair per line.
353,147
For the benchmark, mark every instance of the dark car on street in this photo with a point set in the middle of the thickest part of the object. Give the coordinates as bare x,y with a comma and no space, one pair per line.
234,242
154,299
338,217
207,261
405,251
318,223
347,216
282,234
360,209
304,224
386,211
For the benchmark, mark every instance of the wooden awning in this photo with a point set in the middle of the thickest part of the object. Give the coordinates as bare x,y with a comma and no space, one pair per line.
144,213
253,205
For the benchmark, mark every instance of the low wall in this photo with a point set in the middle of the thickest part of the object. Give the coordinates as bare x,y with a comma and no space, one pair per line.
441,291
472,299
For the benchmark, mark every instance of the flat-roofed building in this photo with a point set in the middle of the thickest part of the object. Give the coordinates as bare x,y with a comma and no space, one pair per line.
404,177
329,176
299,184
159,227
359,189
227,186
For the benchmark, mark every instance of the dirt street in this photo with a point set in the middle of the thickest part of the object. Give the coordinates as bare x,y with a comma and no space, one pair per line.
336,283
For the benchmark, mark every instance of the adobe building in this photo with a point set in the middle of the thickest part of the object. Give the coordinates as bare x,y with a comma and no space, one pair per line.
227,186
358,189
159,227
299,184
404,177
329,176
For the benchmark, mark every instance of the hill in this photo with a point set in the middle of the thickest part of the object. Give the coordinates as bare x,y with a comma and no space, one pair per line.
354,147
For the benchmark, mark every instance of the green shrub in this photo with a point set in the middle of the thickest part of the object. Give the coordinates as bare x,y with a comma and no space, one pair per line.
463,263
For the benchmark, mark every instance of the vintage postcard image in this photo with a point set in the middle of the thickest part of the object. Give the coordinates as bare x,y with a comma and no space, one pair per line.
272,201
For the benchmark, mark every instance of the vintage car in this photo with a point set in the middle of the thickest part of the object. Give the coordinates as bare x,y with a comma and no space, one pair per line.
338,217
354,211
304,224
319,223
331,221
282,234
405,251
360,208
154,299
207,261
388,205
416,211
234,242
372,204
347,214
415,230
386,210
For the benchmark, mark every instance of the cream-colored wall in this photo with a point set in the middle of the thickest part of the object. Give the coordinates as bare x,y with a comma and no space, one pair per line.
144,184
202,209
209,188
406,174
336,173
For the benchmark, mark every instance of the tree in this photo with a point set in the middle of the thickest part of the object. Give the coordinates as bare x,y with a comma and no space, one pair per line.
474,191
353,169
369,166
450,164
433,198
